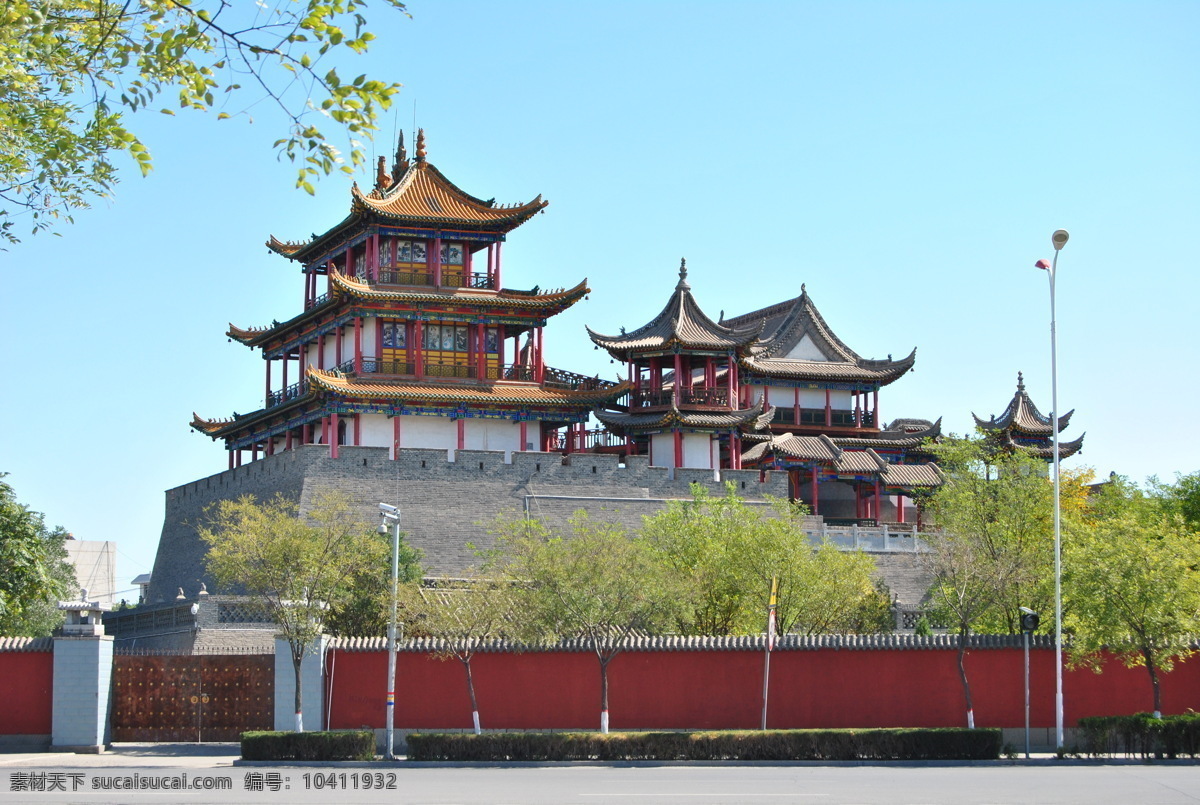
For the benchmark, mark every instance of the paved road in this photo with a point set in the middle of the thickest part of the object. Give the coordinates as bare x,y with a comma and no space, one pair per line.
93,778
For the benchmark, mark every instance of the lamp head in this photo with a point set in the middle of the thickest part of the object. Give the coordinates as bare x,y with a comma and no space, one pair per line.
1027,610
1059,239
1043,264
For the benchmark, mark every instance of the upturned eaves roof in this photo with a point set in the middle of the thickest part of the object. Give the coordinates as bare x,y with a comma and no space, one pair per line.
620,421
1023,416
680,323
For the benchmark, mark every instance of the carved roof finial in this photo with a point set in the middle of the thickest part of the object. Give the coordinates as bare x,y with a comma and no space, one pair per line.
420,145
803,290
382,180
1020,381
401,163
683,283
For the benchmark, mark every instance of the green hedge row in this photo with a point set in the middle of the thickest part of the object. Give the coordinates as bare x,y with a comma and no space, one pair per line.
1141,735
334,745
866,744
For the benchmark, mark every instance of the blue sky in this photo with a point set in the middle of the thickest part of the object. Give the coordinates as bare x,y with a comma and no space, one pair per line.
907,161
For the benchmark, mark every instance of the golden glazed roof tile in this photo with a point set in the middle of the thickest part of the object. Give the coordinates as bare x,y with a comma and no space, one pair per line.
561,299
495,394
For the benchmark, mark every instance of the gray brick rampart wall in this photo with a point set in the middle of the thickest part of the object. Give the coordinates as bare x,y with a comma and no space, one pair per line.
446,504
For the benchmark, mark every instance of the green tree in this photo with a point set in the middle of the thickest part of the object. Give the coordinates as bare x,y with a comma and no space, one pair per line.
297,566
1132,577
36,573
1181,497
364,612
726,552
993,551
70,71
596,583
461,615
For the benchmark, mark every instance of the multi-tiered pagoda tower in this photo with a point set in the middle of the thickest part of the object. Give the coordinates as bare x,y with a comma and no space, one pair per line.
1023,428
407,338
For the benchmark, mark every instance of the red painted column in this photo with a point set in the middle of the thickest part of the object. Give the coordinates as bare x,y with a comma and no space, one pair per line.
375,257
462,433
324,437
337,347
857,500
286,357
254,452
419,347
875,410
481,350
541,356
814,490
435,258
524,436
796,405
498,245
357,430
395,437
857,410
305,434
269,447
678,379
678,447
358,344
238,459
267,392
333,436
900,507
490,269
349,261
877,513
730,374
828,409
320,352
231,452
287,444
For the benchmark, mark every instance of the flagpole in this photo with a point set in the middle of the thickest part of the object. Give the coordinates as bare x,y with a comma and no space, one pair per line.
770,645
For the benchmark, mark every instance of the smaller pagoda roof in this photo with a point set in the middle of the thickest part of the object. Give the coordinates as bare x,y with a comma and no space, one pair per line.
754,417
894,436
798,344
1042,448
680,323
823,450
558,300
1023,417
417,194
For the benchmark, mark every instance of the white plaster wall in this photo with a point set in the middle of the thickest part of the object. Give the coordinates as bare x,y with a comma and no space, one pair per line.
375,430
310,356
697,451
368,338
806,350
840,400
330,349
663,449
812,398
428,431
492,434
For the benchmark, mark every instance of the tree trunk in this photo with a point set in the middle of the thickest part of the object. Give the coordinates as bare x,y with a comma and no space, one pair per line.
962,674
297,661
466,661
604,694
1148,655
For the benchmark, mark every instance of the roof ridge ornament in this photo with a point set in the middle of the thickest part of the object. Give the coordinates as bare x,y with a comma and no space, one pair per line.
383,179
400,166
420,145
683,283
1020,381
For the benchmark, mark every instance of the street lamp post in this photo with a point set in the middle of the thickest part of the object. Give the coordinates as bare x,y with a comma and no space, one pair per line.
391,513
1058,240
1029,622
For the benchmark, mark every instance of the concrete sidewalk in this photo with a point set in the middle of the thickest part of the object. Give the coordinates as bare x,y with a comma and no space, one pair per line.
174,755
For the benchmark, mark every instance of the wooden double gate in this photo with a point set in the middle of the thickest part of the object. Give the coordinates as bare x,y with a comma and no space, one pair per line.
191,697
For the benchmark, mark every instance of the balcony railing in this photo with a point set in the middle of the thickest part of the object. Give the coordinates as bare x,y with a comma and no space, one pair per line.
786,415
320,300
290,393
450,278
554,378
598,437
699,395
569,381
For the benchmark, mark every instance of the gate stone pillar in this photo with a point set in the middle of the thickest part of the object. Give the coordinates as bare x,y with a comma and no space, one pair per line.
83,661
312,688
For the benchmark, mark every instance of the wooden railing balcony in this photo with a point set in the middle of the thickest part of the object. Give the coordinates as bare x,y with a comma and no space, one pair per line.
839,418
451,278
554,378
292,392
575,442
716,397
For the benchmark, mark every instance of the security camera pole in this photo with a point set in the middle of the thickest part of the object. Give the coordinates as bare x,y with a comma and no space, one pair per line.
391,513
1029,622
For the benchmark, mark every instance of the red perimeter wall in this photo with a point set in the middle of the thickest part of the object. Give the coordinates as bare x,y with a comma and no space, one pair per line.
723,689
25,704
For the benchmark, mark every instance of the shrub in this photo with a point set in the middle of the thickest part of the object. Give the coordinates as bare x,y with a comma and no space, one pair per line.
866,744
333,745
1141,735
